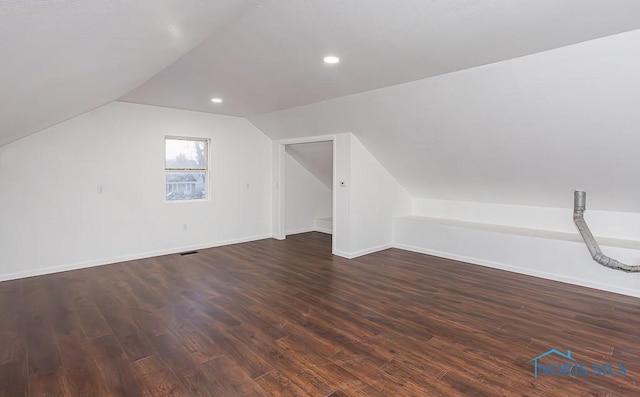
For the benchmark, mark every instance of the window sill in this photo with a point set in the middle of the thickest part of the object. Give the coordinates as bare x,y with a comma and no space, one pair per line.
187,201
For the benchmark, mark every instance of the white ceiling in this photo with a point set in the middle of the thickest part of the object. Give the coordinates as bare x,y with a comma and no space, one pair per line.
63,58
271,57
317,158
524,131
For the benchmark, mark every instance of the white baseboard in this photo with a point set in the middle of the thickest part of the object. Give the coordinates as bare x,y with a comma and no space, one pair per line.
307,230
342,254
124,258
520,270
299,231
348,255
355,254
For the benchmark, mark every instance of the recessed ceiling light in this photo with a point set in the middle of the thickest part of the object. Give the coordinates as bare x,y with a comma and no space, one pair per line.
216,100
331,59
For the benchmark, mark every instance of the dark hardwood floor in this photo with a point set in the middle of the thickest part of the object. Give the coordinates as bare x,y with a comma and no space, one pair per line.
288,318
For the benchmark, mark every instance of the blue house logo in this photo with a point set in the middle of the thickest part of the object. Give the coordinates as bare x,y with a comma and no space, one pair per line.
566,356
566,365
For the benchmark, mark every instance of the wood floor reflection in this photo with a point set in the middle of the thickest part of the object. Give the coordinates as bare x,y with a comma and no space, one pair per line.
286,318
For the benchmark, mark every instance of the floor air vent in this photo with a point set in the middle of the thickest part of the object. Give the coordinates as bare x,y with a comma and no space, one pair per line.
188,253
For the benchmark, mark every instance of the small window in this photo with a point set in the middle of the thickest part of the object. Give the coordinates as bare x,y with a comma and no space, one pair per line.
186,166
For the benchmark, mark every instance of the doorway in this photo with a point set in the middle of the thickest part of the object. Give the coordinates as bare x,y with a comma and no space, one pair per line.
309,187
305,195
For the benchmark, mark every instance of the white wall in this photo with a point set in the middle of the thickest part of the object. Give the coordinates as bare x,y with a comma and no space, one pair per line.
524,131
555,256
342,195
375,199
306,198
53,218
502,144
538,241
364,206
608,224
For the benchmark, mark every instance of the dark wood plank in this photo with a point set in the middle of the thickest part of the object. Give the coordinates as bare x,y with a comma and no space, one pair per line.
46,374
286,318
200,347
117,371
157,379
91,320
276,384
174,354
12,323
224,378
81,372
14,371
338,393
247,359
115,310
14,379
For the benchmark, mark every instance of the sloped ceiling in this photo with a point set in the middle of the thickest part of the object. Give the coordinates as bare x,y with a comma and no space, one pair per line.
271,58
63,58
524,131
317,158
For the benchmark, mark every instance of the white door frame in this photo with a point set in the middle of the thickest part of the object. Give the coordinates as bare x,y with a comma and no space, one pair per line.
279,231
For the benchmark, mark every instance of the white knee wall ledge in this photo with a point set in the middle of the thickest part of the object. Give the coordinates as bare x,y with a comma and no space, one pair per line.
551,255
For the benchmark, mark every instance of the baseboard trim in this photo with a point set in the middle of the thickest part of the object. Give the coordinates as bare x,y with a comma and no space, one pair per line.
342,254
307,230
355,254
347,255
520,270
124,258
322,230
299,231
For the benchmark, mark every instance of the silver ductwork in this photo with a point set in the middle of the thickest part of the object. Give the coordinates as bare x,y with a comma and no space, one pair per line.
579,206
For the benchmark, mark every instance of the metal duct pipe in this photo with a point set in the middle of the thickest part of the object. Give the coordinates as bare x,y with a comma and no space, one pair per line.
579,206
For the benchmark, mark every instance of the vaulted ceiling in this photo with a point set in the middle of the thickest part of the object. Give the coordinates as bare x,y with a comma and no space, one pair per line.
62,58
270,58
317,158
411,82
525,131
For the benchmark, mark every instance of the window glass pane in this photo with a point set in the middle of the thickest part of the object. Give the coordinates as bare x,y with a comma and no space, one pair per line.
186,185
185,153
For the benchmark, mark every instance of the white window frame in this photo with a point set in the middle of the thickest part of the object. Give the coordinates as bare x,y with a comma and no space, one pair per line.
207,158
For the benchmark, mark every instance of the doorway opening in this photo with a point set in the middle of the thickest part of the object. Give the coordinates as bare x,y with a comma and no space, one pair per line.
308,193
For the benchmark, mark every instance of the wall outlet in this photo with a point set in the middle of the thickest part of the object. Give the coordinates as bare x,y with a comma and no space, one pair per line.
99,190
184,226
